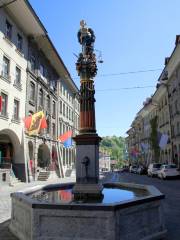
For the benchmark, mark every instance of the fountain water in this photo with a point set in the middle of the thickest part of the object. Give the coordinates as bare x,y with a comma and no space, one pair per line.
88,209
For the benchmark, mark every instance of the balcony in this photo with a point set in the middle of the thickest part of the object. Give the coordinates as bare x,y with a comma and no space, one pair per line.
18,85
16,120
4,115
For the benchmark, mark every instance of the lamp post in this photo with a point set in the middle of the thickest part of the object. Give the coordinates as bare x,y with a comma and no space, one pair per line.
165,78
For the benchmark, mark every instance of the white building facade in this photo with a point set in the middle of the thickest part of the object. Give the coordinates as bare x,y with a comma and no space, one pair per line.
13,64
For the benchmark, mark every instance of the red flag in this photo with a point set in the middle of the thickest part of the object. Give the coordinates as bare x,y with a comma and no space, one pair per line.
27,122
65,136
0,103
43,123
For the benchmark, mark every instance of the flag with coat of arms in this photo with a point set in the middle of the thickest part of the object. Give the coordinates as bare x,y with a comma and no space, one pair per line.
35,123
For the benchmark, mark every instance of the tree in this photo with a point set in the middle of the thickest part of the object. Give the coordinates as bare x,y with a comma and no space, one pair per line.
115,146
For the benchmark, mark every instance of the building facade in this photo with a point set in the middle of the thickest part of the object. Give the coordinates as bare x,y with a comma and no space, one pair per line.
13,65
164,106
33,78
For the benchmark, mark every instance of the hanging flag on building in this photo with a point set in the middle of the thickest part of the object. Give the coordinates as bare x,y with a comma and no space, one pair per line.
35,123
163,141
0,103
144,147
66,139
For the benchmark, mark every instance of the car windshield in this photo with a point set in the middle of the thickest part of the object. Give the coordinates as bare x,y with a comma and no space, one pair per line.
172,166
157,165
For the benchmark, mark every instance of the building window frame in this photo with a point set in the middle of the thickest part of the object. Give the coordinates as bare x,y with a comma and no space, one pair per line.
8,30
6,68
32,92
19,42
32,61
41,98
16,109
4,109
53,109
17,81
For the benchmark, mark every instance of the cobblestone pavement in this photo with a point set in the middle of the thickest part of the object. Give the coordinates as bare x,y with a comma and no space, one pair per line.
169,187
5,203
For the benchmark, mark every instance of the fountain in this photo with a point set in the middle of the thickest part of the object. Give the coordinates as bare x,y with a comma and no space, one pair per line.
88,209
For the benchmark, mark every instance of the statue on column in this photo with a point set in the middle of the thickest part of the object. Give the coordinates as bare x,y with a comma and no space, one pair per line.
86,62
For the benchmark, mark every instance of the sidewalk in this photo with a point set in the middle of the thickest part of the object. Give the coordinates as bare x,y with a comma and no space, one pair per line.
6,190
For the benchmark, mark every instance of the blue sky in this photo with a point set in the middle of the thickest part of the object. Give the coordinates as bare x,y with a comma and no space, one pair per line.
132,35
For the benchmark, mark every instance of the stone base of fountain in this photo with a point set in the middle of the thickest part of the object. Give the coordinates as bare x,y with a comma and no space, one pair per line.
140,218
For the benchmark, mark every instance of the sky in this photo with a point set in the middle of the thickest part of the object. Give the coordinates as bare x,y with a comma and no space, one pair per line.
133,37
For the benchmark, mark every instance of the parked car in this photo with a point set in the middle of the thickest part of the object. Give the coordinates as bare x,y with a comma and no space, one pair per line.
142,170
168,170
125,169
133,169
153,169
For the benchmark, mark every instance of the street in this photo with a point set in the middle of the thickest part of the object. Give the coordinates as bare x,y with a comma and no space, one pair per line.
171,203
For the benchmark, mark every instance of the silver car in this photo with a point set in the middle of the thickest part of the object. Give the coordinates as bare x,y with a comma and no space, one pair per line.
168,170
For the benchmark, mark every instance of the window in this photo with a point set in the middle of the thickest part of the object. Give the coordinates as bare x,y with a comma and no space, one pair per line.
63,109
48,126
48,103
67,111
42,71
4,104
19,42
18,76
32,91
32,63
54,109
54,130
6,67
41,68
176,106
69,114
41,97
8,30
16,110
178,128
60,106
61,128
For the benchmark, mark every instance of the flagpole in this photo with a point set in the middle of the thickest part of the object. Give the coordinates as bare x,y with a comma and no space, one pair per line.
59,159
25,156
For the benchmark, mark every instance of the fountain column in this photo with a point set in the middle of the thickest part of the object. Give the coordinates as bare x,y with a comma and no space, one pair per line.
87,142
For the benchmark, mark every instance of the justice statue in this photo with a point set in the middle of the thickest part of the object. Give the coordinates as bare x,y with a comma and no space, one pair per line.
86,64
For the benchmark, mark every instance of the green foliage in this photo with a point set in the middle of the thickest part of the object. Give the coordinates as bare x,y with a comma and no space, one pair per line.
115,146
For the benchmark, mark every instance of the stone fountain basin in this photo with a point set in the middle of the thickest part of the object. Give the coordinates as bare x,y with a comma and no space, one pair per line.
137,219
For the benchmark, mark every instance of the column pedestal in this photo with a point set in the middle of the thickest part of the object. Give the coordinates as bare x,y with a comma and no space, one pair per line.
87,167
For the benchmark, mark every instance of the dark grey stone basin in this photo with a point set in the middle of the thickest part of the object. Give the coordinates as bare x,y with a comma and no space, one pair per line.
41,218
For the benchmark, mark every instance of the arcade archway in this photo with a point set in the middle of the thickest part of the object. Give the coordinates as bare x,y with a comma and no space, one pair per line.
9,146
44,156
